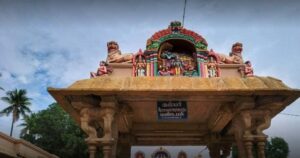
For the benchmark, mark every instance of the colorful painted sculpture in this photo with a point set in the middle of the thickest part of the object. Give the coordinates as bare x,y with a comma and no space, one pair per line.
114,54
165,71
139,64
175,26
212,67
177,51
248,69
190,71
235,56
104,69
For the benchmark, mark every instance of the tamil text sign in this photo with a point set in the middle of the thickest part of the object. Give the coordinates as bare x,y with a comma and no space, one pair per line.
171,110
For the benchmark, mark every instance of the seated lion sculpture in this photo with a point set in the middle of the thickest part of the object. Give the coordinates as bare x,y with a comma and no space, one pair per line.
114,54
235,56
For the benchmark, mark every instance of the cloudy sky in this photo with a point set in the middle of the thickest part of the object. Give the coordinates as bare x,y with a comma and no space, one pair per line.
54,43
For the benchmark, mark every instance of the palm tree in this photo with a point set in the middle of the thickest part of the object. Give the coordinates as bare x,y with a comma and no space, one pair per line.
29,127
18,105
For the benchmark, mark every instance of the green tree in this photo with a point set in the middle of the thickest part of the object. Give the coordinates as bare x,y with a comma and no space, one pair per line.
18,105
53,130
277,148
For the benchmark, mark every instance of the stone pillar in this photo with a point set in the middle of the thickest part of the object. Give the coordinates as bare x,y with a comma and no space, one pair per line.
92,148
242,132
248,143
155,65
107,148
214,150
226,149
124,150
261,143
104,115
110,130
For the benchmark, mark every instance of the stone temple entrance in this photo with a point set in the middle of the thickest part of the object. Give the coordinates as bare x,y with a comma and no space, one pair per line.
175,95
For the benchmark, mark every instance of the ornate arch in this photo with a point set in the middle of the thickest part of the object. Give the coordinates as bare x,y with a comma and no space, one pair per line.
176,31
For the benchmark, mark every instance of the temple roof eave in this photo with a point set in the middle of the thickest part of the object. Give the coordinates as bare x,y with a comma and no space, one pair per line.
178,84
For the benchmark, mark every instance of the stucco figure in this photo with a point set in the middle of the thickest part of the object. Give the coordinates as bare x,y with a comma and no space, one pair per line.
104,69
114,54
235,56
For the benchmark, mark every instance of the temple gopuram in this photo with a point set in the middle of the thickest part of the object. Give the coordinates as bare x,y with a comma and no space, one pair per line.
175,92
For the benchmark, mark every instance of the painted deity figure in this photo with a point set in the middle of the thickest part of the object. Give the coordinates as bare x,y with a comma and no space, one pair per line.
114,54
165,71
177,64
103,69
212,67
190,71
248,69
168,55
141,69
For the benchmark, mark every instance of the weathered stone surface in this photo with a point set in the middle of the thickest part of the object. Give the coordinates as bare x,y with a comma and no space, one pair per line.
212,105
168,84
11,147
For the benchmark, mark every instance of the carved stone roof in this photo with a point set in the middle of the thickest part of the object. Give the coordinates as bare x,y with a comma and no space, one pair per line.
226,85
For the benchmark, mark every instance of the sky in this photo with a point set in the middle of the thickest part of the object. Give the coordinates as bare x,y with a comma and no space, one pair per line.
51,43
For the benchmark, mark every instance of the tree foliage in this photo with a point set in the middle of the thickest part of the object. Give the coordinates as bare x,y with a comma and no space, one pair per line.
18,105
275,148
54,131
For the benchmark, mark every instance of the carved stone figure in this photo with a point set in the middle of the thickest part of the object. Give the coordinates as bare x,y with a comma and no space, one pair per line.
114,54
140,64
236,53
248,69
88,115
165,71
265,123
190,71
103,69
212,67
235,56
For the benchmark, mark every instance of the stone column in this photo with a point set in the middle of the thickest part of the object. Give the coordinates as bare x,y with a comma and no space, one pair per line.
107,148
109,140
226,149
248,143
214,150
92,148
124,150
261,143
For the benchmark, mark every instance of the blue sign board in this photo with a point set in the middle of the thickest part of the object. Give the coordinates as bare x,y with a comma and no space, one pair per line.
171,110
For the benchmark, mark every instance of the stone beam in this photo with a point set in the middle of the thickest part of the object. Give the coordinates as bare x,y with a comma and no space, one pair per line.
124,118
227,111
220,118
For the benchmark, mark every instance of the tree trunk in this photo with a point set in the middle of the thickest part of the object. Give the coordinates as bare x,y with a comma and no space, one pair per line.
12,127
